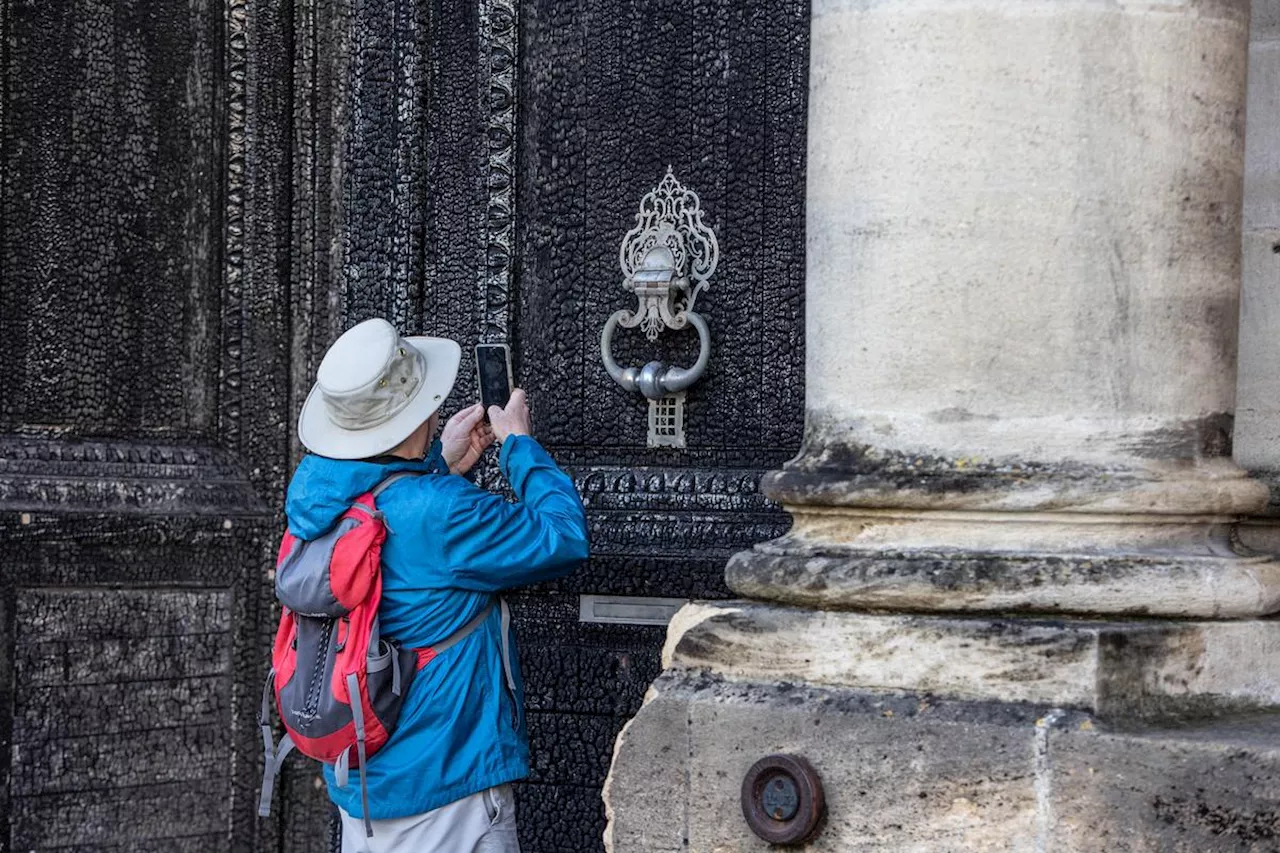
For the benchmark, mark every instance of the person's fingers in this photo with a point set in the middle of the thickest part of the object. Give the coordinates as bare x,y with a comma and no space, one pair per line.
495,412
517,398
471,416
463,415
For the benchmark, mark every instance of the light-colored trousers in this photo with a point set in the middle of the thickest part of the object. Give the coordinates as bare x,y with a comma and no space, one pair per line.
481,823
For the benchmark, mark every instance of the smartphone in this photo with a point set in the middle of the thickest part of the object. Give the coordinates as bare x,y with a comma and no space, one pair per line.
493,365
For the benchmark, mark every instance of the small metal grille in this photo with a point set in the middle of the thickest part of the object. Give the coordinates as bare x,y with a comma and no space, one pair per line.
666,421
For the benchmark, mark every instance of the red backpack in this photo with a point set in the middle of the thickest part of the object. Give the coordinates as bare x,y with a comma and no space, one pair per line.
338,683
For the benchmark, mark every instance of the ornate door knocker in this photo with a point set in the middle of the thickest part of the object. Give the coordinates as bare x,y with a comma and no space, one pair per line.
666,260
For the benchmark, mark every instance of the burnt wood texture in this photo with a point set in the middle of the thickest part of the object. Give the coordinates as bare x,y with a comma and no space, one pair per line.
196,197
612,93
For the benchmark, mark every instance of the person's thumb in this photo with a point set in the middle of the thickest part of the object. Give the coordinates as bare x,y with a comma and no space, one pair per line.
495,413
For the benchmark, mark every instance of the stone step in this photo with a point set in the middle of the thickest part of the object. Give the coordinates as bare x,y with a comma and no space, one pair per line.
1124,669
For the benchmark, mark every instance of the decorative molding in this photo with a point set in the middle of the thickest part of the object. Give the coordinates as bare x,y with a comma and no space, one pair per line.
670,216
687,537
686,483
42,474
4,117
499,53
232,349
45,454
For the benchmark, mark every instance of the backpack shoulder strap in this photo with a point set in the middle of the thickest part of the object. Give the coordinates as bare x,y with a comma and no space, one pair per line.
381,487
392,478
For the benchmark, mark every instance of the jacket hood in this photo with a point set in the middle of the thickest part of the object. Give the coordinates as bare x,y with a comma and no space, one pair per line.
322,489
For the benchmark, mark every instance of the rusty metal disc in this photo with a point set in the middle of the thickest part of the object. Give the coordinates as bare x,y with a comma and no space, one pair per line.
782,799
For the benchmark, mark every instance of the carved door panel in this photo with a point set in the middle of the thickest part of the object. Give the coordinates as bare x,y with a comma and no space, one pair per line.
142,419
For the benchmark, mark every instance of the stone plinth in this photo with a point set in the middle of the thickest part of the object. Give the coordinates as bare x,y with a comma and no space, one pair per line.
909,773
1120,670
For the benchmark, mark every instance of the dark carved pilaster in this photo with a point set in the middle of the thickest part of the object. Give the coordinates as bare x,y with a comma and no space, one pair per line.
499,56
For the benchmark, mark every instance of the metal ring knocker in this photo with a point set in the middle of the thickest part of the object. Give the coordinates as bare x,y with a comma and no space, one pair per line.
656,378
666,260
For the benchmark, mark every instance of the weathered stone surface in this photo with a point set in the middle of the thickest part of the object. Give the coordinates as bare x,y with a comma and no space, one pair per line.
651,754
1120,670
796,571
1046,219
826,474
901,773
1257,436
1213,788
1021,366
1257,432
912,773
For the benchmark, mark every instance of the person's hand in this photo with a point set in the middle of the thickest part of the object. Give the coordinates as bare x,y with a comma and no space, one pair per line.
464,438
513,420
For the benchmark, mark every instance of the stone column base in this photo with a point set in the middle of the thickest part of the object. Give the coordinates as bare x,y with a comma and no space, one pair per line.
912,773
1147,670
959,734
930,535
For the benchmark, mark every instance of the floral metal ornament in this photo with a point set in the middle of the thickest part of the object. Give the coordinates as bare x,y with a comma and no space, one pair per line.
670,218
667,260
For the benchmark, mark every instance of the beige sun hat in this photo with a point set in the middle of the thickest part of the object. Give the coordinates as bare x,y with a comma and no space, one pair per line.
374,388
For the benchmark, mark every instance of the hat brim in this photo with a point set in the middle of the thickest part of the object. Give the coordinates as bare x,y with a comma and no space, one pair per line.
321,436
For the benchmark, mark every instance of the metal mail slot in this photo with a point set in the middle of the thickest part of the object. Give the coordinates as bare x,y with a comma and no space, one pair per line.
628,610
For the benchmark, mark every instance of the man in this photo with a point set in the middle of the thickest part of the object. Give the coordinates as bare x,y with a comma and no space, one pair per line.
441,783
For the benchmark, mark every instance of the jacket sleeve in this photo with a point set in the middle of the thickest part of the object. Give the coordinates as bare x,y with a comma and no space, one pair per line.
491,544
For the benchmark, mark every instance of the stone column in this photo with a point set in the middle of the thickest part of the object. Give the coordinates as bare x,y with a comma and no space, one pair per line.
1257,435
1022,299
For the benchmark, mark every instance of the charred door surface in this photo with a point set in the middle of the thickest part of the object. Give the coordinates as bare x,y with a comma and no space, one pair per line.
141,422
612,93
484,162
196,197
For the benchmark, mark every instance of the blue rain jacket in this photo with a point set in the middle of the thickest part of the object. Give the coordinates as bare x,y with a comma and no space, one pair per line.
451,546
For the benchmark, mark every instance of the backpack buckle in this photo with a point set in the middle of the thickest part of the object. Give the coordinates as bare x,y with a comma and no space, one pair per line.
343,636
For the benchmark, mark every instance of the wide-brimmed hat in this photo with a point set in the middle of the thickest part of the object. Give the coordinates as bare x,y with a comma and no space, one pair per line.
374,388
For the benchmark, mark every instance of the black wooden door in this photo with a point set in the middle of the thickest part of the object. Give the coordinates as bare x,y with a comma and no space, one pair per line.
493,155
143,412
196,197
612,92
